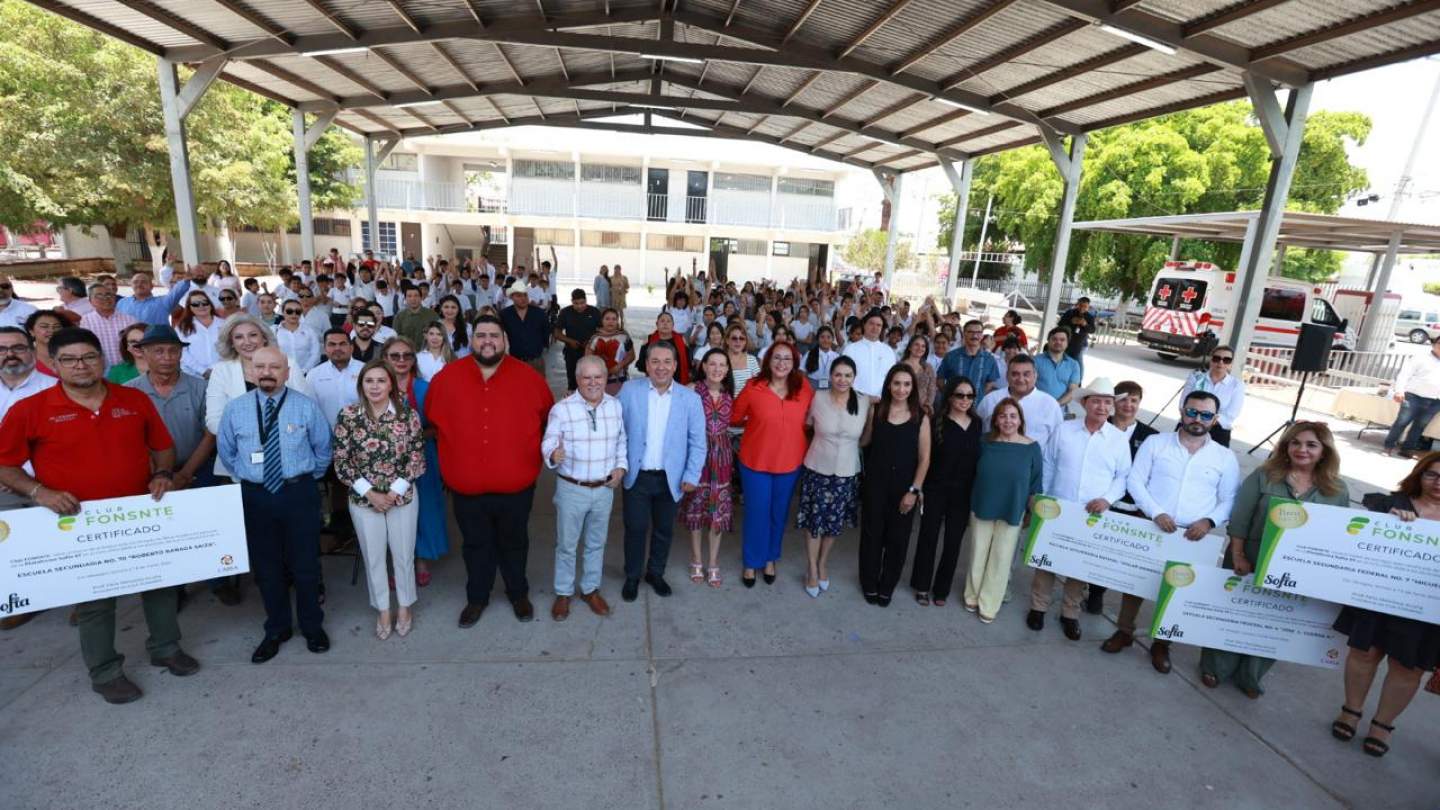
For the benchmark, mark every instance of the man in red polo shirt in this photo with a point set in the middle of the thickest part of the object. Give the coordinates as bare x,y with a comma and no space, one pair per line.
489,416
89,440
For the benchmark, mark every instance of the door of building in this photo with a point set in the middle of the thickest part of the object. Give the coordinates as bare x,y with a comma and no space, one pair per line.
696,185
410,241
657,188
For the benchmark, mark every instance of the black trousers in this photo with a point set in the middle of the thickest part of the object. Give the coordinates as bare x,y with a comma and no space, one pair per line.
952,510
572,356
648,505
494,533
884,535
283,534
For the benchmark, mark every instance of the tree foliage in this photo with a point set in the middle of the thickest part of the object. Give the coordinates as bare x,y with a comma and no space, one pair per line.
82,138
866,250
1206,160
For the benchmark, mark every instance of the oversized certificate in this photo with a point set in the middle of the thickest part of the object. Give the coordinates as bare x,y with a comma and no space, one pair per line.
1367,559
1212,607
1120,552
119,546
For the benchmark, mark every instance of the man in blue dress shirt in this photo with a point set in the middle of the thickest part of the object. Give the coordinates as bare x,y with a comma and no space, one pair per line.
1056,372
276,442
144,306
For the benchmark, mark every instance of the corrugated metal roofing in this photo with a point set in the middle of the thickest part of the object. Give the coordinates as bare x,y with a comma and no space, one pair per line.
859,80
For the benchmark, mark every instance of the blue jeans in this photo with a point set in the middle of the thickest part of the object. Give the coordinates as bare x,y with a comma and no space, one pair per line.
1415,413
767,504
580,513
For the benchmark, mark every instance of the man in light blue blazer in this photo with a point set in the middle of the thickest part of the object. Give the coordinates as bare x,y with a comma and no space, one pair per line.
665,451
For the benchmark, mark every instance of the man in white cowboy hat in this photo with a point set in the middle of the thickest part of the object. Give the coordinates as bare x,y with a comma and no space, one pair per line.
1086,460
526,328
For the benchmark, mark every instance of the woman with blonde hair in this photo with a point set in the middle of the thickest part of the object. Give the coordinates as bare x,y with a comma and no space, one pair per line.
380,457
435,353
1304,466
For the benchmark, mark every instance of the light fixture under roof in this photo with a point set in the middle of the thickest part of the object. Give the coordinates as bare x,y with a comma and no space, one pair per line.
425,103
959,105
664,58
337,51
653,106
1141,39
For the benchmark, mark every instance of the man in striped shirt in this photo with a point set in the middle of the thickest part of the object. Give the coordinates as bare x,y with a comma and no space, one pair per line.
585,444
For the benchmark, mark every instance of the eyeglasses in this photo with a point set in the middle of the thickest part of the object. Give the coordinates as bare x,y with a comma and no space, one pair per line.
132,344
962,395
1430,476
400,357
1220,358
370,324
292,312
74,360
20,350
195,304
227,298
1204,416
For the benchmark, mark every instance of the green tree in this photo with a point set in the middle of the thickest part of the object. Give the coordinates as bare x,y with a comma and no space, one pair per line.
82,140
1205,160
866,250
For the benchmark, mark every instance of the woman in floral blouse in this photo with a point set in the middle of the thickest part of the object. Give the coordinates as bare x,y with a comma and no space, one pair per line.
711,505
379,455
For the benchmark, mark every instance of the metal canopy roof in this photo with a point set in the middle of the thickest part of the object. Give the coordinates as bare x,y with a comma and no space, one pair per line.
891,84
1297,229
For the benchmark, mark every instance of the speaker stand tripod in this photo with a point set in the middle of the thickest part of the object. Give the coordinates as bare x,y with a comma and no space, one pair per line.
1294,409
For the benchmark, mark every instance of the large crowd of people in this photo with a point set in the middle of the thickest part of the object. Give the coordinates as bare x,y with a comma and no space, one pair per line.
374,400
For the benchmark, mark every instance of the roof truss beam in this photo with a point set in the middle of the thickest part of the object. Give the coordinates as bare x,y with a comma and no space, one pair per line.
960,28
258,20
175,22
538,87
1212,49
1225,16
890,13
75,15
1350,26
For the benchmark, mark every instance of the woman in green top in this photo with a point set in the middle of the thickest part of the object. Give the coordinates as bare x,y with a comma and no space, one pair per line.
1303,467
1007,477
131,364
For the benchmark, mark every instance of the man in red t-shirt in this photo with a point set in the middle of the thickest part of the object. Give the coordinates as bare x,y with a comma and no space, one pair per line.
87,440
489,416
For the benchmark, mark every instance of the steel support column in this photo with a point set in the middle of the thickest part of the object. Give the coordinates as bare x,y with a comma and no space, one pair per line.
890,185
1371,338
373,160
960,182
1284,130
176,102
1068,162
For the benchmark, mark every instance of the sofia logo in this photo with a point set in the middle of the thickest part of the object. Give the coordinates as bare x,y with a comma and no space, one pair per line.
1356,524
227,560
65,524
1092,520
1232,583
1333,654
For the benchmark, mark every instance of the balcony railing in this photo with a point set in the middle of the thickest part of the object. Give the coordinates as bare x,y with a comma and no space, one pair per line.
558,198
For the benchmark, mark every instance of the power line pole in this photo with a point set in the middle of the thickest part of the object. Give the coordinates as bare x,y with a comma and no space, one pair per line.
1406,174
980,246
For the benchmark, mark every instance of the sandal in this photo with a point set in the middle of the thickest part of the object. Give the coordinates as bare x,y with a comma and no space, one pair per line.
1209,680
422,578
938,602
1344,732
697,573
1375,746
922,598
382,627
715,581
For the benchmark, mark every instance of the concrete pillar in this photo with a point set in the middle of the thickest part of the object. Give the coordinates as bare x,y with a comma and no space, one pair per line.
302,186
1069,166
372,221
1284,131
179,159
1369,340
1175,248
891,185
960,183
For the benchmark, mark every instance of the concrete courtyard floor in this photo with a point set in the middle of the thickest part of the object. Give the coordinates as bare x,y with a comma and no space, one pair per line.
758,698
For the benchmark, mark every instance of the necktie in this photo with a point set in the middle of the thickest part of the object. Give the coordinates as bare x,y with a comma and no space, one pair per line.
274,469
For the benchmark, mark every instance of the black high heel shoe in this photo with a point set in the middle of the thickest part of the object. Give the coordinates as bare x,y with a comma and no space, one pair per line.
1374,746
1343,731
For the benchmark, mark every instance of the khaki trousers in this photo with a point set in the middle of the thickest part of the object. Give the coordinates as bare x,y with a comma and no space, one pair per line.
991,548
1042,589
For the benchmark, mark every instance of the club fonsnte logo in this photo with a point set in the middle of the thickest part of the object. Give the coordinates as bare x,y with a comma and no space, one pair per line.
1232,583
65,524
1289,515
1092,520
1357,524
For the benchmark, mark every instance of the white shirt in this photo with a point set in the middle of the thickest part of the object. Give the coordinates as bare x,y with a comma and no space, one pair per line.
656,418
684,318
873,359
1421,377
1231,393
33,384
317,320
594,437
539,296
362,290
334,387
302,344
1081,466
383,333
1042,414
428,364
820,377
201,351
1167,479
250,302
15,313
341,298
80,306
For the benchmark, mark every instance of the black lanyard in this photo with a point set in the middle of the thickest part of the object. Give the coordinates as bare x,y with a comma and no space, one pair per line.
260,418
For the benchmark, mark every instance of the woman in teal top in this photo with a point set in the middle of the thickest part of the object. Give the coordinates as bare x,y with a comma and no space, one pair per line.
1303,467
130,365
1008,474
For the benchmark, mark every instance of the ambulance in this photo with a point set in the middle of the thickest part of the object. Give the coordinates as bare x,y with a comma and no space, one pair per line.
1189,302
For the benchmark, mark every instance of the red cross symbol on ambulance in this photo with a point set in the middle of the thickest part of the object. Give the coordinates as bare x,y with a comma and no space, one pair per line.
1163,292
1188,295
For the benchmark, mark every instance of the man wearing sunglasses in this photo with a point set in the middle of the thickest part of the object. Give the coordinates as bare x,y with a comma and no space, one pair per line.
1417,389
1180,480
1228,388
13,311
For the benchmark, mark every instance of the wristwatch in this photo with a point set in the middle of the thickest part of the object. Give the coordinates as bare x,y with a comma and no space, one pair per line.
163,473
913,490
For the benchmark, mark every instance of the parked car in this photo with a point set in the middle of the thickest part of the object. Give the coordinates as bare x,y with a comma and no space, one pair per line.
1418,325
